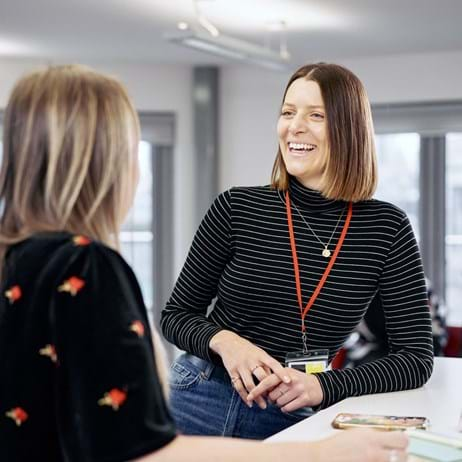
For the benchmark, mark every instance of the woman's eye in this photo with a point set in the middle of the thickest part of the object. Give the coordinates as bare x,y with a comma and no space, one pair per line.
286,113
317,115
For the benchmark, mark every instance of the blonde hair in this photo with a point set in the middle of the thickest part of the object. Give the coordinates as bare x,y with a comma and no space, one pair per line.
350,172
69,137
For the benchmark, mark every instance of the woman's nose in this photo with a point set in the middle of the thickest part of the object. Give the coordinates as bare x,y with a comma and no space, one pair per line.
297,125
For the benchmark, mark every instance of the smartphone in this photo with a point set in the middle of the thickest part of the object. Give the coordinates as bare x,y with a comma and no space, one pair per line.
380,422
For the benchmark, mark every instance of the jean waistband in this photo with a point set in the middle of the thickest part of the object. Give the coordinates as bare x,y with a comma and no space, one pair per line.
208,369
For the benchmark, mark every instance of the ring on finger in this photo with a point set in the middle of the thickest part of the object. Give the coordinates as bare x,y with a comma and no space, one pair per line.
234,378
255,367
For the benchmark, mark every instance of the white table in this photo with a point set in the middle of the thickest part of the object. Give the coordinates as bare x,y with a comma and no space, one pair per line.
440,400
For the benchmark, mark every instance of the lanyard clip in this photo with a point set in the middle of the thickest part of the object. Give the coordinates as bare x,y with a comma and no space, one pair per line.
305,346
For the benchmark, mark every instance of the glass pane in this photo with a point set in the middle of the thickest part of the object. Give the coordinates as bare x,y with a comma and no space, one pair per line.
140,215
454,227
1,157
139,256
398,165
136,236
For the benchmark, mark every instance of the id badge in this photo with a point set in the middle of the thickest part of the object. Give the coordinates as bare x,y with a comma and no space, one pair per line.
310,362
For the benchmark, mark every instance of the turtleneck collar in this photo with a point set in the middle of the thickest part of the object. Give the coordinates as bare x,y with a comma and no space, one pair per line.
310,199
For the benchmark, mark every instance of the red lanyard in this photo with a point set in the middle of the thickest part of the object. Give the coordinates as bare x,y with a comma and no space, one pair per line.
314,296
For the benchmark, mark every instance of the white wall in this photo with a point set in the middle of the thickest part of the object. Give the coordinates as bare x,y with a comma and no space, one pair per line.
165,88
250,99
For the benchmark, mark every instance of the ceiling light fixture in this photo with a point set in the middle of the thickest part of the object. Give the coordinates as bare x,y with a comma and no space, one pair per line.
230,47
182,25
213,41
10,47
204,22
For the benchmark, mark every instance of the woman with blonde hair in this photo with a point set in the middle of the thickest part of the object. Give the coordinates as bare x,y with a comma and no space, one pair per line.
79,379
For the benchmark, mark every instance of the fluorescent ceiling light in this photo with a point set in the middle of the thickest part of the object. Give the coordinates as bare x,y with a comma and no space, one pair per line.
230,47
12,48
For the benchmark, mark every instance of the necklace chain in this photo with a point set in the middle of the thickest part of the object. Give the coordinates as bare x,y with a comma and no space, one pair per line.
326,252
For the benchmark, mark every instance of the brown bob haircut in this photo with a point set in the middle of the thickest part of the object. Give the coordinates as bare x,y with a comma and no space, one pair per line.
350,172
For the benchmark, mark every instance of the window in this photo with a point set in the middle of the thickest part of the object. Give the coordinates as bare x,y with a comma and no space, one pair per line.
146,237
439,178
398,166
137,236
454,225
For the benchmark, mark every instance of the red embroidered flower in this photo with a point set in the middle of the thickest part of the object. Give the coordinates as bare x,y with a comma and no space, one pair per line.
72,285
114,398
81,240
18,414
50,351
13,294
137,327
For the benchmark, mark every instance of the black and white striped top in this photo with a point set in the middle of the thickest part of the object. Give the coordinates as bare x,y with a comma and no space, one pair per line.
241,255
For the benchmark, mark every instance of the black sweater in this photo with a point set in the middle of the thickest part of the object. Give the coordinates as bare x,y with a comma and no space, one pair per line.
241,255
78,381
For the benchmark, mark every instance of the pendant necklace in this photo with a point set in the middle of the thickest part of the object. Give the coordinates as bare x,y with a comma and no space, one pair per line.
326,252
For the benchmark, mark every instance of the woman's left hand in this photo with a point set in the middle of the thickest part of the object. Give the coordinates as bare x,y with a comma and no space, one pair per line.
303,390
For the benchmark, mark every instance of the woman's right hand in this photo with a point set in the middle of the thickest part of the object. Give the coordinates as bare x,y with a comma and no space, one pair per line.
362,445
243,360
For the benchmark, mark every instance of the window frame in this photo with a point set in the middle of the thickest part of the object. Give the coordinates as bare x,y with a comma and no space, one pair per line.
432,121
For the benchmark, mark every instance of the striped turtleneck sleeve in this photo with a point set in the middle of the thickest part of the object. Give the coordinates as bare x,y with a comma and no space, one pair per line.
405,303
184,321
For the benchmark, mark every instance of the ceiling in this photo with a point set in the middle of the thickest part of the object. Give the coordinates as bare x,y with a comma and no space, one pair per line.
316,29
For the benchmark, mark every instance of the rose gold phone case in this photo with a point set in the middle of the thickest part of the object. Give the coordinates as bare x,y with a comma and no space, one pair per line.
380,422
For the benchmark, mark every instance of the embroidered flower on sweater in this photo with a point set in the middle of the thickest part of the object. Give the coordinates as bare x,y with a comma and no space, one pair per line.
50,352
72,285
18,414
113,398
81,240
138,328
13,294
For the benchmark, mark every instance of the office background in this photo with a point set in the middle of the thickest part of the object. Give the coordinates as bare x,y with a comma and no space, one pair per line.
208,123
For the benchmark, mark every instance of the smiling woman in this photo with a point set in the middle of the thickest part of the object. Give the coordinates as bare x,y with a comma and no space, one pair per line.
294,266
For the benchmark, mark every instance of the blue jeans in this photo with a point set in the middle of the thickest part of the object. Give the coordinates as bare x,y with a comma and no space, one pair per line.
203,402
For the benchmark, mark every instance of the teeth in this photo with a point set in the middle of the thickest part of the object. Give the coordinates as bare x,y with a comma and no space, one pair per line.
302,146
